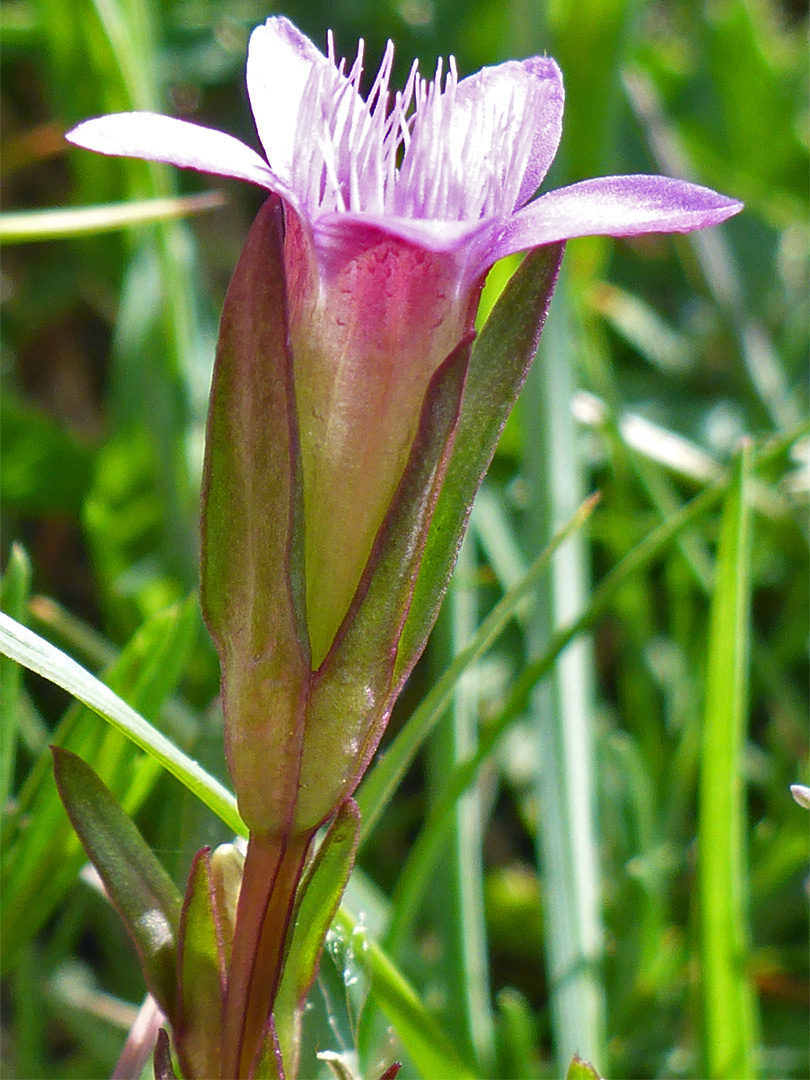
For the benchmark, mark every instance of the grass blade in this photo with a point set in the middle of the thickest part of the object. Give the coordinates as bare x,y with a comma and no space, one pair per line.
427,1044
33,652
561,707
458,893
14,587
32,225
382,780
728,1004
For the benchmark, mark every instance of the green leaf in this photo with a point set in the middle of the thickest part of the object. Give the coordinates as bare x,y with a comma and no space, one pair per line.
38,655
201,974
14,588
515,1034
729,1009
457,894
499,363
46,470
426,1043
30,225
318,898
426,849
40,853
352,692
251,591
141,890
561,713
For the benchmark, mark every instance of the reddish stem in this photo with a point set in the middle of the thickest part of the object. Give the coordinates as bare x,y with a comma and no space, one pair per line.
273,867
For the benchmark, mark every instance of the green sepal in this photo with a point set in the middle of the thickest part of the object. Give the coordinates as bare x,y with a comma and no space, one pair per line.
200,974
141,890
252,588
318,897
499,363
268,1064
351,693
164,1066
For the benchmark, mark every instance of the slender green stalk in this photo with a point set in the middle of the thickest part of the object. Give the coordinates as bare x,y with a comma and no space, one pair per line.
426,1043
460,887
728,1002
27,226
14,587
560,708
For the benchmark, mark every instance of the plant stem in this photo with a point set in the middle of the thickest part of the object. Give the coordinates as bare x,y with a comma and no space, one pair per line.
273,867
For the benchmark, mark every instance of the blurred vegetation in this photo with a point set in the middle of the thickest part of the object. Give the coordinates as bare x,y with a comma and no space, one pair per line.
661,355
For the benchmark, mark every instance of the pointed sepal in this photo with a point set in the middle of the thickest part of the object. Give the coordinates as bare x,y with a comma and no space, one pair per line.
164,1066
251,581
499,363
141,890
317,900
268,1064
200,974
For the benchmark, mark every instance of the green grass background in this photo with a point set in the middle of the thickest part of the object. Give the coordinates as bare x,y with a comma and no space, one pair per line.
623,872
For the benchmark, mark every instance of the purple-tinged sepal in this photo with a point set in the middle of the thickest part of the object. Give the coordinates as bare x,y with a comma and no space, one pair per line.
252,586
164,1065
201,974
499,363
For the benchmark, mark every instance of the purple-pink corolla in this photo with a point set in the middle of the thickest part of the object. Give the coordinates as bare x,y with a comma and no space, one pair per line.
396,207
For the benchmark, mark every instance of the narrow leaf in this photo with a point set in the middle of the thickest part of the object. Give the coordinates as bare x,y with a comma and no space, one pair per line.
426,849
14,587
201,974
141,890
38,655
426,1043
319,895
30,225
729,1010
41,855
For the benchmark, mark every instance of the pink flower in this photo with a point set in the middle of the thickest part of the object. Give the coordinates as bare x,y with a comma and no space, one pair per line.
397,206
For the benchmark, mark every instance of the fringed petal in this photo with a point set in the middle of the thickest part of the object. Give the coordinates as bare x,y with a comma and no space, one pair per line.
176,142
279,65
613,206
